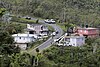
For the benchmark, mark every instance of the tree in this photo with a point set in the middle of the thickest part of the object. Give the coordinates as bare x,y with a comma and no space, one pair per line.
2,11
37,50
5,38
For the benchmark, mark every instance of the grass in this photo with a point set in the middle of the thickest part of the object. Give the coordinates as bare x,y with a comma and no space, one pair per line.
37,43
24,25
34,45
27,21
23,20
50,28
62,26
65,26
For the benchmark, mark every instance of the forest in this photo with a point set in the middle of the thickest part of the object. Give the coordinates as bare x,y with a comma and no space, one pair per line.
78,12
85,56
72,11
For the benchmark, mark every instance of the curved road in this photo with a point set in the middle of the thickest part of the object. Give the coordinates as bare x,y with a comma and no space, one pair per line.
50,41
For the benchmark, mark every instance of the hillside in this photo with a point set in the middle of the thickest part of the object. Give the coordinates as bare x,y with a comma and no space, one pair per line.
67,14
72,11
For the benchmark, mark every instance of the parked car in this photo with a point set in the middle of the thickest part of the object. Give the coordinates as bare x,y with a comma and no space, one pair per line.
57,32
19,16
53,34
40,37
56,40
50,21
29,18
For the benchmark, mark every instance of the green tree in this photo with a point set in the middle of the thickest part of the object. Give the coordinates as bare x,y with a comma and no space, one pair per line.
2,11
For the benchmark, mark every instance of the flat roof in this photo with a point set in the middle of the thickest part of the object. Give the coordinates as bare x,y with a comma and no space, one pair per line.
89,28
24,35
74,36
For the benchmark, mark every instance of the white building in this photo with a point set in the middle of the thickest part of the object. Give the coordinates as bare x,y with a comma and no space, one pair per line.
37,29
22,40
72,41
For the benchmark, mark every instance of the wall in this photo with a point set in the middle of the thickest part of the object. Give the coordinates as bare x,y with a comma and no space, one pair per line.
80,41
21,46
23,39
73,41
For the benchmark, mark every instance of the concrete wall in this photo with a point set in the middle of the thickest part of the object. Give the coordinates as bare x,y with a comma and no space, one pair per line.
23,39
21,46
75,41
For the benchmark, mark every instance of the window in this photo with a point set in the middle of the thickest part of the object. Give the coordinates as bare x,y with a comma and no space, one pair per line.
80,30
42,28
82,38
73,44
67,39
78,45
19,37
85,31
78,39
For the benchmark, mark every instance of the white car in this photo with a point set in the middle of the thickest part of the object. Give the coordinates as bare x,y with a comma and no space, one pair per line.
60,44
27,17
53,34
40,37
50,21
55,40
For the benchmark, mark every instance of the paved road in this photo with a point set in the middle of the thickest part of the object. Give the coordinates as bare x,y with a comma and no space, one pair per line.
50,41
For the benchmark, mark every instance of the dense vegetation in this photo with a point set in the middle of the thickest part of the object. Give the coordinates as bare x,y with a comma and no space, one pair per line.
79,12
9,53
86,56
72,11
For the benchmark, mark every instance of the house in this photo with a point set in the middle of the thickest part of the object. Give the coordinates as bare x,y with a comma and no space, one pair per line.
22,40
72,41
37,29
89,32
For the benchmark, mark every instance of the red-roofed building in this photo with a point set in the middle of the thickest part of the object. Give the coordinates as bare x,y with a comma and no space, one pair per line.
89,32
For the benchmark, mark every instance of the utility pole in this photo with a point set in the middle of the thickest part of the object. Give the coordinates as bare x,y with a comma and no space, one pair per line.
64,11
6,17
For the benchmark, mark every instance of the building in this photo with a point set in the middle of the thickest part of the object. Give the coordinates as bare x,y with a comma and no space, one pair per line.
22,40
89,32
37,29
72,41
